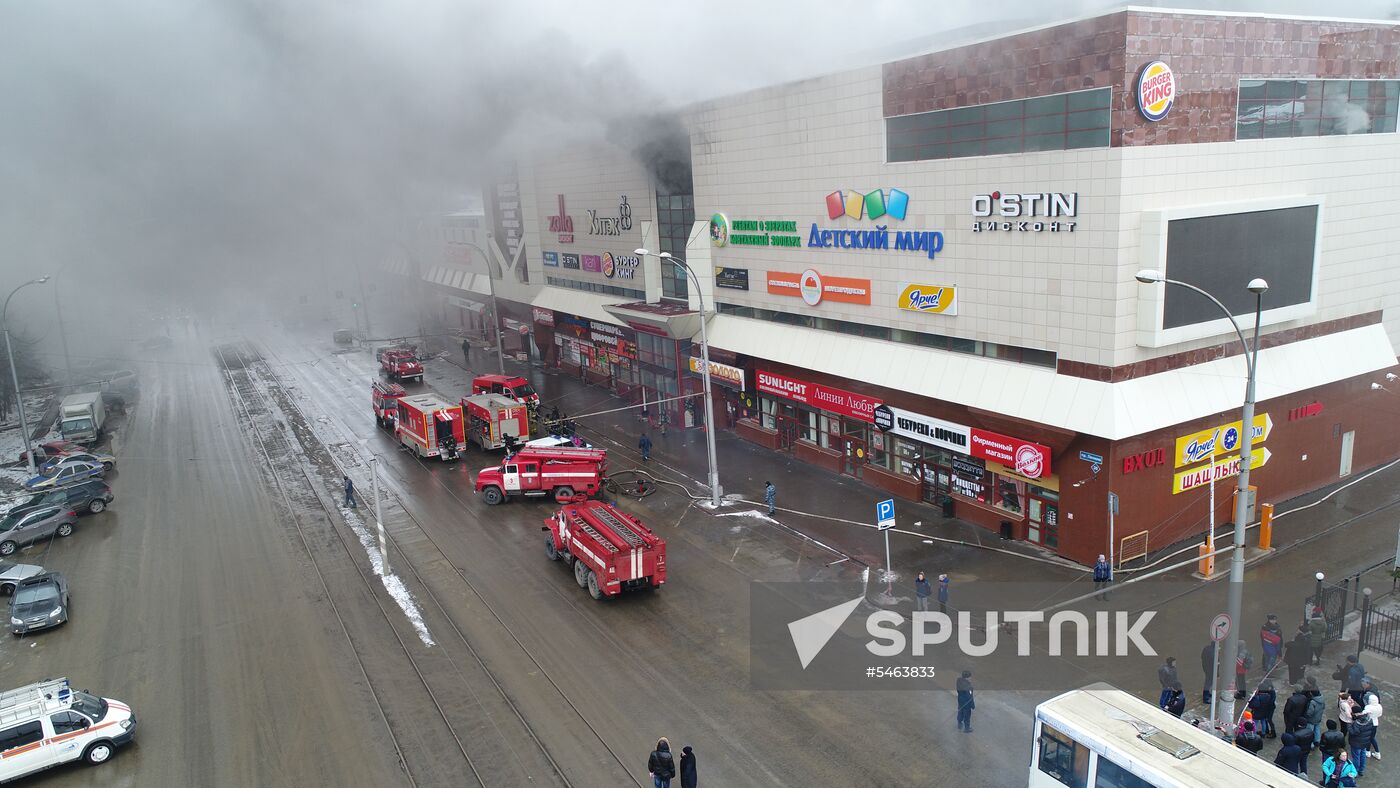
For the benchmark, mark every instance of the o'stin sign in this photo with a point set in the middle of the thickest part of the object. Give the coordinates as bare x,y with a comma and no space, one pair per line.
1156,89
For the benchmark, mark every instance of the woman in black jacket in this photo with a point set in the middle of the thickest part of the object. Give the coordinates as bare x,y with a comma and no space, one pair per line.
688,778
661,765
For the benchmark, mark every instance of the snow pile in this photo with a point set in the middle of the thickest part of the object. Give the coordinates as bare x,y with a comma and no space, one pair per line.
392,583
757,514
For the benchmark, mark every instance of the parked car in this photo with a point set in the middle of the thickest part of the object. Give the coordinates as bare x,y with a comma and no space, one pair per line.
39,602
18,530
66,472
107,461
50,450
89,496
11,573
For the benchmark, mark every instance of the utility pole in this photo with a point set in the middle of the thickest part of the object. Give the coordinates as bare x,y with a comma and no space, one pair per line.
379,518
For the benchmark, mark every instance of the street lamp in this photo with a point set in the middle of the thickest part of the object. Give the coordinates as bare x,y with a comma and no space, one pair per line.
715,491
19,396
495,313
1236,594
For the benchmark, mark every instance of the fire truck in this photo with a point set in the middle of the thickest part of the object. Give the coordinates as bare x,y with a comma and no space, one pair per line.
400,363
566,474
517,388
384,399
492,418
610,551
430,426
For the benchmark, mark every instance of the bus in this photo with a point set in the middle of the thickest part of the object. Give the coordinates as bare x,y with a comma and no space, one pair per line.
1103,737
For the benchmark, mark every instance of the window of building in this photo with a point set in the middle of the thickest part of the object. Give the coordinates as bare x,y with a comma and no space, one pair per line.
1064,121
1022,355
595,287
675,215
1272,108
1063,758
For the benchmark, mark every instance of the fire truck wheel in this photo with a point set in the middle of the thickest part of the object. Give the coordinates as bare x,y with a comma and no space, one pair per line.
593,589
492,496
581,574
563,494
549,548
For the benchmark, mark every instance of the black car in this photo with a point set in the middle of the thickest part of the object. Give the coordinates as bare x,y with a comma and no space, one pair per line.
88,496
39,602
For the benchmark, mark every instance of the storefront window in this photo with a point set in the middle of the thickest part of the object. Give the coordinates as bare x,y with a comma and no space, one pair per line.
1010,494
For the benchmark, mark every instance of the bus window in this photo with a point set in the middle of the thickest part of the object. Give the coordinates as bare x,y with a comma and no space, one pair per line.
1111,775
1063,759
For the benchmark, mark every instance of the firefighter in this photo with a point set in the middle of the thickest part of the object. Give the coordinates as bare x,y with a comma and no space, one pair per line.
466,351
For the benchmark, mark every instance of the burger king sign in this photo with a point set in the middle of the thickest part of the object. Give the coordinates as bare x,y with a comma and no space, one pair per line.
1156,88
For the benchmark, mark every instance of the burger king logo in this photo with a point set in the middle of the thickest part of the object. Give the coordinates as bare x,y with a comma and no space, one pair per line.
1156,88
609,266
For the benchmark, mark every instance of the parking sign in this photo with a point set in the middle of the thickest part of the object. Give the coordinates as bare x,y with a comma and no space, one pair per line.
884,514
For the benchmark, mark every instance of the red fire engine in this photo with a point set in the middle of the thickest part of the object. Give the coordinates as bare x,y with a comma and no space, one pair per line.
400,364
567,474
492,417
609,550
517,388
384,398
430,425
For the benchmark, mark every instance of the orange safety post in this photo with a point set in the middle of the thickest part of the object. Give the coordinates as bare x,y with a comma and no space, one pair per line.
1266,526
1206,565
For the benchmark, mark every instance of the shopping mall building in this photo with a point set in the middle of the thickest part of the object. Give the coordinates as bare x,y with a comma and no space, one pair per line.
923,272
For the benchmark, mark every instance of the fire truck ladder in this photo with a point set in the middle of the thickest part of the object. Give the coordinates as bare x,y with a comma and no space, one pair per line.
620,528
580,524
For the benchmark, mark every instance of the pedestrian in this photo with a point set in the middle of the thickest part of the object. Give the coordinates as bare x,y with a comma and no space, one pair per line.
1247,738
349,493
1176,701
1374,711
641,486
1359,738
1270,642
1263,703
770,497
665,419
688,778
1243,662
645,445
1289,756
965,702
1351,675
922,591
1295,711
466,351
1339,771
1103,575
1333,740
1305,747
943,593
1297,654
1166,676
1317,633
1208,668
1315,710
661,765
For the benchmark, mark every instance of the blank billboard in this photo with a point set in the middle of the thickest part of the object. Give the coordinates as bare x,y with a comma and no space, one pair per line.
1221,253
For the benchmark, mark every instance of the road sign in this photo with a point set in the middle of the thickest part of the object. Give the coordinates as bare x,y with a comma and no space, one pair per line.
1224,468
1220,627
1095,468
884,514
1090,457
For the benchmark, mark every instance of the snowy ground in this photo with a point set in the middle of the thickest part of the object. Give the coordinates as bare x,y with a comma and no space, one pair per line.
13,473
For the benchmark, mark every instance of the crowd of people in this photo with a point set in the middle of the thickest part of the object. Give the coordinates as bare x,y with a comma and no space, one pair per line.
1340,745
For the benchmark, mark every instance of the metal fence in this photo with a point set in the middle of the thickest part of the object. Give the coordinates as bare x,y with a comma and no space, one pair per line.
1341,598
1380,631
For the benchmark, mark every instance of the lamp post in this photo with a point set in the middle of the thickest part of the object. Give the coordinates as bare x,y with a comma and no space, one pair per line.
1236,591
495,313
715,490
19,396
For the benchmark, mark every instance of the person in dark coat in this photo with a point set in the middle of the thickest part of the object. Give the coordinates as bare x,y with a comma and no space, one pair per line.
688,778
1166,676
1103,577
923,589
349,493
1270,641
1289,755
1315,710
1176,701
466,351
1359,738
1333,740
1297,654
645,445
770,497
1353,677
1294,709
1317,634
1248,738
1263,703
965,702
1208,668
661,765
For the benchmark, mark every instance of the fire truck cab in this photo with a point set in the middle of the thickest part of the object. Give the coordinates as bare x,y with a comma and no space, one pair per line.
400,364
609,550
384,399
430,426
565,474
517,388
495,421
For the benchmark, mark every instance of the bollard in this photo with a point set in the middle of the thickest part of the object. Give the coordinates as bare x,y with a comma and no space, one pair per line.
1206,566
1365,616
1266,526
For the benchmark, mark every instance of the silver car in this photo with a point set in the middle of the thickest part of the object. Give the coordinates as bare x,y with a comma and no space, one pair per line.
11,573
18,530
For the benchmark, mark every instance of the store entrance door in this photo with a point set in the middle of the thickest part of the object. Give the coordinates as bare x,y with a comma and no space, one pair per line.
1043,521
854,456
788,430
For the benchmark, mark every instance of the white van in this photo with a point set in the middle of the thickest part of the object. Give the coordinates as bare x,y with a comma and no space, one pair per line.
49,723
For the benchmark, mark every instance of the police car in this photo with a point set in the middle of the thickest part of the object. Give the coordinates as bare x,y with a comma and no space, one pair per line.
48,723
65,472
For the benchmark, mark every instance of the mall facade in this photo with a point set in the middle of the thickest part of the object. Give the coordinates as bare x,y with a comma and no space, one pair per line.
922,274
